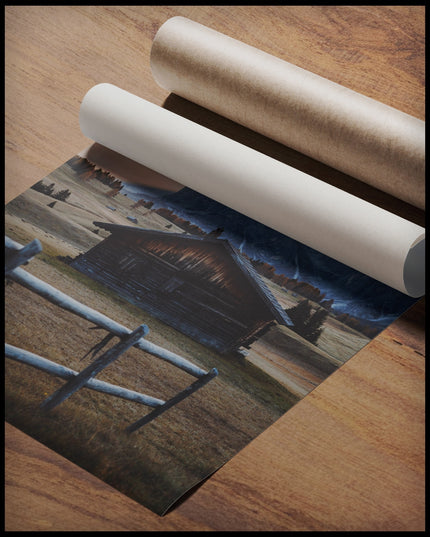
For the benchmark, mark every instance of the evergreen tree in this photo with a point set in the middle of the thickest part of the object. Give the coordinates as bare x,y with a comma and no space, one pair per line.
314,325
305,323
300,314
44,189
62,195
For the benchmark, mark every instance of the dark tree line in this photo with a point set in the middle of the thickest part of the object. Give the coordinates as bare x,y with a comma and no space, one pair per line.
48,190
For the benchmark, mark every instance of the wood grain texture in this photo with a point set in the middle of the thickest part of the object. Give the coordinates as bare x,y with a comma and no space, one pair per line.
350,456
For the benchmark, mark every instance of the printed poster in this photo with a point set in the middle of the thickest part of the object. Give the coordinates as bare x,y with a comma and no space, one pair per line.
156,332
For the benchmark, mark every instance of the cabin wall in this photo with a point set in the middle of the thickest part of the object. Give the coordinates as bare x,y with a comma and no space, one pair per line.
184,288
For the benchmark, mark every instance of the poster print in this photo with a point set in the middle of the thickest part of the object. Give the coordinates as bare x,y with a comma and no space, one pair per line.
151,333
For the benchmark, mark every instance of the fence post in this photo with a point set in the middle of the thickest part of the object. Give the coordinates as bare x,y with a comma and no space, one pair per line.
95,367
15,258
17,255
173,401
68,303
58,370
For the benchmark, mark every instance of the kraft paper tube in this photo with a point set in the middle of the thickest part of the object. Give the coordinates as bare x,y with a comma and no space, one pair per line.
330,123
367,238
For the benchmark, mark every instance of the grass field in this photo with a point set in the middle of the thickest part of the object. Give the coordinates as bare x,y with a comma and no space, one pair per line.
158,463
170,454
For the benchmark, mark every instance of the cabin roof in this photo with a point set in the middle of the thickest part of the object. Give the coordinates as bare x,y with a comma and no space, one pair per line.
244,264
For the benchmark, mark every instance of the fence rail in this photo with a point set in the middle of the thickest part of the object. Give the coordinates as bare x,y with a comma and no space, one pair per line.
58,370
68,303
16,254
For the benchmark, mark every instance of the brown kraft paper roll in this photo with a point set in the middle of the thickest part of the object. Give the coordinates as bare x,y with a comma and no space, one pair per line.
337,126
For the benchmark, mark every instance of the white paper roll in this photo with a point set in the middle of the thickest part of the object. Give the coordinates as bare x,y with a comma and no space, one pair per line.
348,229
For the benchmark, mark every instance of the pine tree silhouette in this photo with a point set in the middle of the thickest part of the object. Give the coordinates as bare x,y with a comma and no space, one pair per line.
305,323
62,195
44,189
314,326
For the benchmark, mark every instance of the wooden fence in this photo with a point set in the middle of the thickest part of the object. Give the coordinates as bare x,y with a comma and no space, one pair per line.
16,255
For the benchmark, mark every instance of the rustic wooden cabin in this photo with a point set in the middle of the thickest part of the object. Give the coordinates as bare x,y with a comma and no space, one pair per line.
200,285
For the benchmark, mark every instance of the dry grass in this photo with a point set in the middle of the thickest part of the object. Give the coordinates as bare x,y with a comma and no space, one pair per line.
170,454
180,448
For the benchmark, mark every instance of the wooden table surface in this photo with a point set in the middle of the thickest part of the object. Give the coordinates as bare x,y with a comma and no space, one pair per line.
350,455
